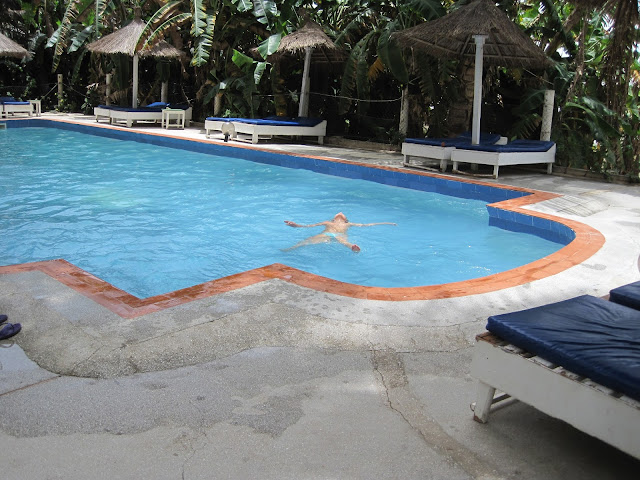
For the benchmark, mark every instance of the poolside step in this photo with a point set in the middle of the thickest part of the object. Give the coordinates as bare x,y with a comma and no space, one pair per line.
583,205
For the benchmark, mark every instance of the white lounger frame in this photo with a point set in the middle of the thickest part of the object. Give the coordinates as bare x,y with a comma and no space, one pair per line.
123,116
497,159
13,109
213,125
259,132
588,406
100,112
426,152
432,152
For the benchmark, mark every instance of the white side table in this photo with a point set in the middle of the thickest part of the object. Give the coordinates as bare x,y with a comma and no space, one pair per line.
36,107
173,117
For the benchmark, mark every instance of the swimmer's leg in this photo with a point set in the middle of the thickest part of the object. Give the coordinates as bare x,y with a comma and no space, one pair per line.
343,240
320,238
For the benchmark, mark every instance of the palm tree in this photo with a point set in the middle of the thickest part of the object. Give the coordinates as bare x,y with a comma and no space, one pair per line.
375,68
596,128
619,21
622,22
617,73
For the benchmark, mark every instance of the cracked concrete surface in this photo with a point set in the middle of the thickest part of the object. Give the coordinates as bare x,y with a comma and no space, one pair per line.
401,399
278,381
286,412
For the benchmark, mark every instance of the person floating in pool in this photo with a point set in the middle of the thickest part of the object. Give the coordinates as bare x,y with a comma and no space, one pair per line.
334,229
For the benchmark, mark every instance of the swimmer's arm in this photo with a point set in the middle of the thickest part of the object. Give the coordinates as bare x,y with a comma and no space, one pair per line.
370,224
297,225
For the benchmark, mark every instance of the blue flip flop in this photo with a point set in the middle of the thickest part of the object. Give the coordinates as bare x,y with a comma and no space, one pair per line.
3,318
9,330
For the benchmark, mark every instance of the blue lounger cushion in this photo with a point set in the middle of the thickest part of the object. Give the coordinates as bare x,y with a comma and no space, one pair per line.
587,335
182,106
273,121
149,108
515,146
628,295
117,108
485,138
11,101
461,140
226,119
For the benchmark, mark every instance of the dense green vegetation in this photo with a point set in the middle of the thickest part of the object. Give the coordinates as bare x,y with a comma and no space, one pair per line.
231,67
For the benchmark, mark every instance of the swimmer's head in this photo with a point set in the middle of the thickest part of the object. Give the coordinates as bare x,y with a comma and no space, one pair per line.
341,216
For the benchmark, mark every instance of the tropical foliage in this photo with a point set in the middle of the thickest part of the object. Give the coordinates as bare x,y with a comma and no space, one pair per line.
232,67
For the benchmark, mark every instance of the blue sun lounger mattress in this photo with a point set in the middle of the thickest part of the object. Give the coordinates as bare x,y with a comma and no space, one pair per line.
11,101
116,108
462,140
628,295
273,121
519,145
152,107
587,335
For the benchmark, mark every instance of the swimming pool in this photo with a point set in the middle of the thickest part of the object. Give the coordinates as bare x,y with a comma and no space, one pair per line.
97,212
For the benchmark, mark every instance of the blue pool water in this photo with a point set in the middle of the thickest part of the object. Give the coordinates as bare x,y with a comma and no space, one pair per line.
151,219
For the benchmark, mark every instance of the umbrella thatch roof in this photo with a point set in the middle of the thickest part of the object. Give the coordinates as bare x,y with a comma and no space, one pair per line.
324,53
310,35
9,48
164,50
319,57
329,58
452,36
125,41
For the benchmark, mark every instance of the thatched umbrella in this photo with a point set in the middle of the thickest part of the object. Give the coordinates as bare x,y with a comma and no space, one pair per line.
306,39
478,30
9,48
125,41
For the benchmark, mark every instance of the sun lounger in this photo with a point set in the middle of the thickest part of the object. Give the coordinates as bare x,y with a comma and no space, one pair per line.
439,149
151,113
627,295
577,360
215,124
102,112
12,106
267,128
518,152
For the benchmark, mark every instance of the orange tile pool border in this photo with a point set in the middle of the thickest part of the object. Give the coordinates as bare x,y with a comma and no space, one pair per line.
586,243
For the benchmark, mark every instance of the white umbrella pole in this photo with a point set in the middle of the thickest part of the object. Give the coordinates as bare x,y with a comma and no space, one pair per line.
108,92
134,101
403,128
303,109
477,89
164,92
547,115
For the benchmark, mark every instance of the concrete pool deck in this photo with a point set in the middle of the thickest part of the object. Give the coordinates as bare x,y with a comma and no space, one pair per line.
275,380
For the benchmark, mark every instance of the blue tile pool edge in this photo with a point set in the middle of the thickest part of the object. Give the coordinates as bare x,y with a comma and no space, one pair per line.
498,217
